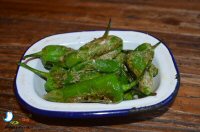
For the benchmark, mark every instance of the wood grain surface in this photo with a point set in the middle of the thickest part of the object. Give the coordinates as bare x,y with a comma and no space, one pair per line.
23,22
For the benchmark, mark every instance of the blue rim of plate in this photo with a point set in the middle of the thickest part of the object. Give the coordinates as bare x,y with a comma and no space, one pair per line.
97,114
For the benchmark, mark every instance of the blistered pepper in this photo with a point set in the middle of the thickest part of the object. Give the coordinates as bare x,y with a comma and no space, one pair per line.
138,61
51,55
106,66
103,89
94,49
58,77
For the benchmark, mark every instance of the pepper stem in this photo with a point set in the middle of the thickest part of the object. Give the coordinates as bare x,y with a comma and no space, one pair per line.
38,72
107,29
36,55
156,45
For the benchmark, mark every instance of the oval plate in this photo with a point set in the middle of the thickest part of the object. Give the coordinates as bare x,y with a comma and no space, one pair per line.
29,88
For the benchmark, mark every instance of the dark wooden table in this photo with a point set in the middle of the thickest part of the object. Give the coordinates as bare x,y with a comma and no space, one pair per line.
23,22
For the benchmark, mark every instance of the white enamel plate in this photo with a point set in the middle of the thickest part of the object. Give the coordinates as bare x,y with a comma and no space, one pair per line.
30,88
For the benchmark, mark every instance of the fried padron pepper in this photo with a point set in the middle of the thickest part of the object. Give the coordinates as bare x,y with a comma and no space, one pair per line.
67,58
103,89
98,71
51,55
59,77
137,61
94,49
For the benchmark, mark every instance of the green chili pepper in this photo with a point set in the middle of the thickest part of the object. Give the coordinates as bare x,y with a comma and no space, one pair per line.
111,43
58,77
94,49
146,83
51,55
104,89
106,66
125,76
138,59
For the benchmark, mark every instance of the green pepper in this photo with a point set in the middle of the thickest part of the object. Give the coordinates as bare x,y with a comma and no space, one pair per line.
138,59
125,75
94,49
146,83
51,55
104,89
58,77
107,66
111,43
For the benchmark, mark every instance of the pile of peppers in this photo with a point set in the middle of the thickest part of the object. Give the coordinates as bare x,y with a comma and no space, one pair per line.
99,71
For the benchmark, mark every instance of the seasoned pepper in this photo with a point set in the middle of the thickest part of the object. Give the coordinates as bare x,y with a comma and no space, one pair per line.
99,71
94,49
125,75
105,66
111,43
104,89
146,83
138,61
51,55
58,77
110,55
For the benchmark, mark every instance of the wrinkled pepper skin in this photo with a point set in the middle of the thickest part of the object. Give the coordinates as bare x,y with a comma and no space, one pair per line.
139,62
146,83
111,43
121,58
58,77
105,66
51,55
95,49
104,89
153,70
138,59
110,55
